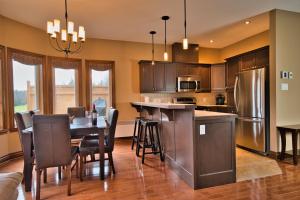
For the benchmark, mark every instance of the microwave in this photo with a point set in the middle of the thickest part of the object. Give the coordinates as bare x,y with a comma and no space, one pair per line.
188,84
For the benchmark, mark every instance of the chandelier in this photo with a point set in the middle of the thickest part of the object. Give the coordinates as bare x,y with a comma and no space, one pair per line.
65,40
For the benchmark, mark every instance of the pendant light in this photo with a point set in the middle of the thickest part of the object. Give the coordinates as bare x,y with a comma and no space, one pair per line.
185,42
165,18
152,35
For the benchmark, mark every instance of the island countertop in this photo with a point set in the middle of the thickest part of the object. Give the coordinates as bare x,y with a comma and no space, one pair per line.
199,114
164,105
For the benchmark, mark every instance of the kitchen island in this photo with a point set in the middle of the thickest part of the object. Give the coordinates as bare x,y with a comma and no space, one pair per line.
198,145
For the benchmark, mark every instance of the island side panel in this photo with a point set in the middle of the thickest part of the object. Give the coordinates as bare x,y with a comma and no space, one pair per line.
184,155
215,162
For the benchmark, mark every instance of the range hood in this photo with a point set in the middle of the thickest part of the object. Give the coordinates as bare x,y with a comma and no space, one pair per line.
191,55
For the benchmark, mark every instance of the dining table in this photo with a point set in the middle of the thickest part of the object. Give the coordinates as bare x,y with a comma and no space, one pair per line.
79,127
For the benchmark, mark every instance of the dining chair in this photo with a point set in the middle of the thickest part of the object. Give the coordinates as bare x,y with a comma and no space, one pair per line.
52,143
91,146
76,111
23,121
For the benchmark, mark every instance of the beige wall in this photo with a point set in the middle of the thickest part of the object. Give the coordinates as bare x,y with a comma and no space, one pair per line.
248,44
285,48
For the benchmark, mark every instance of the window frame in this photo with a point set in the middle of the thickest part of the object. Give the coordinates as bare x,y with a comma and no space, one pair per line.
101,65
3,129
11,53
64,63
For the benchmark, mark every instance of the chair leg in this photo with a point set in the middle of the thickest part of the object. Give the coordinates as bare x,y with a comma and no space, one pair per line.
69,172
81,167
139,135
59,172
134,135
77,170
45,175
111,162
38,184
144,144
159,145
93,157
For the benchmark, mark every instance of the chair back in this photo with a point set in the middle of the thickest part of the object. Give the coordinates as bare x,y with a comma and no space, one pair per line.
52,140
76,111
112,120
23,121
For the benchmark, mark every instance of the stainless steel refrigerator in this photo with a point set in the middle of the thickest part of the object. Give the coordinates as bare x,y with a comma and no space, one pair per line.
249,96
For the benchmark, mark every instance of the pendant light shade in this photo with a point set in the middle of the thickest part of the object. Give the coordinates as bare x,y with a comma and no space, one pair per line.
152,37
166,56
185,42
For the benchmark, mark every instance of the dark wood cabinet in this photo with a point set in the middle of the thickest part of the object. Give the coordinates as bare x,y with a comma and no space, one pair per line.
248,61
146,77
161,77
262,57
170,77
232,68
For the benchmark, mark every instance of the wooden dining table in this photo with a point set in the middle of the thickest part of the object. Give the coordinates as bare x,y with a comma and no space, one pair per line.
79,127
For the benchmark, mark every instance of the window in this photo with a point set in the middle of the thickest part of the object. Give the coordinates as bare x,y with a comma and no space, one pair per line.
65,90
100,85
24,82
66,84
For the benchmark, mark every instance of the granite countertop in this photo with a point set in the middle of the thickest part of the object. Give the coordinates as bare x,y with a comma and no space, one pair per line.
214,105
199,114
165,105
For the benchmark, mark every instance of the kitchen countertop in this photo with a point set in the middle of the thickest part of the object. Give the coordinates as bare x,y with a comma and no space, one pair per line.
200,114
214,105
165,105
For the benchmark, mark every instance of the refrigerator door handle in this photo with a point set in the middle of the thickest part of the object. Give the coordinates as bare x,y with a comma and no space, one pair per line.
254,120
235,92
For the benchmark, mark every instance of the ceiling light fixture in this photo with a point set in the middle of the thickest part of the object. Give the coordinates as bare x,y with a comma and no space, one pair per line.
211,41
165,18
247,22
185,42
68,42
152,35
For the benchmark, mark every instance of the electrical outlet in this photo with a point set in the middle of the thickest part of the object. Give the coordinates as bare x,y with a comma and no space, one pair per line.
202,129
284,75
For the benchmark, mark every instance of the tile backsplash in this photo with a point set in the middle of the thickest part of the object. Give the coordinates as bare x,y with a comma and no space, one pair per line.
202,98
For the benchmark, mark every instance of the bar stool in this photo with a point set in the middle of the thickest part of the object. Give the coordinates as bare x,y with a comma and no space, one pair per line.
137,124
150,139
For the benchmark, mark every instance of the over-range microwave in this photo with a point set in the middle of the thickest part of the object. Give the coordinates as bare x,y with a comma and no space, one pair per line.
188,84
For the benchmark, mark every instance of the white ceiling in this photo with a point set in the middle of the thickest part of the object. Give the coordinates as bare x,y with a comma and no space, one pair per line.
131,20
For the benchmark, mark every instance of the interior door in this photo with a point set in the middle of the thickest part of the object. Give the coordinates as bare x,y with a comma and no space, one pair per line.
250,96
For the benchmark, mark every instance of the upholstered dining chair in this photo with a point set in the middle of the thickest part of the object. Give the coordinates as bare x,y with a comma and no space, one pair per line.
23,121
52,143
91,146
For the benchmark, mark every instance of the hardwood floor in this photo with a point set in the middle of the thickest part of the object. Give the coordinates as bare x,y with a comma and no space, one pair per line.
154,180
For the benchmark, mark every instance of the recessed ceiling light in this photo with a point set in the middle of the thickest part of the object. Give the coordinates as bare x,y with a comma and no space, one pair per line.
211,41
247,22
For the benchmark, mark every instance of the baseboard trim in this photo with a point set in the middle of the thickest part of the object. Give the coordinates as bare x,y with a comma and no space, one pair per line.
10,156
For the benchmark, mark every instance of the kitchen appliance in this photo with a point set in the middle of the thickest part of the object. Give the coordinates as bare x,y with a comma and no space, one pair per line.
249,98
185,100
188,84
220,99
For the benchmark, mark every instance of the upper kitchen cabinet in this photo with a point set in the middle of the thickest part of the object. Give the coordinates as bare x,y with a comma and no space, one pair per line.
218,77
262,57
248,61
170,77
203,71
182,69
152,77
231,70
255,59
159,77
146,77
